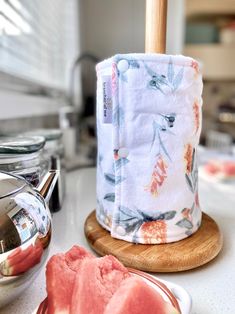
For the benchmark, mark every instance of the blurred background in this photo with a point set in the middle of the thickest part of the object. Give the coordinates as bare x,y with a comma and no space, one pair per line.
48,50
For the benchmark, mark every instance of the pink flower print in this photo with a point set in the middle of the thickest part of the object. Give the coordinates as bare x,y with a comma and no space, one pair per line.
186,212
197,200
195,66
188,155
158,176
114,78
196,112
115,154
153,231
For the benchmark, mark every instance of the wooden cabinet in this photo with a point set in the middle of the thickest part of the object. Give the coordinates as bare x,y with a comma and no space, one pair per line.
217,59
209,7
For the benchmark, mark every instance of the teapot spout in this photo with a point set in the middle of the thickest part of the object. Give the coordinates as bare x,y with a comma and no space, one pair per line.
46,186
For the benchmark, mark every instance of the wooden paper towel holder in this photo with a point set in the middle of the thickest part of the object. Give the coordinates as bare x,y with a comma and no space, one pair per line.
192,252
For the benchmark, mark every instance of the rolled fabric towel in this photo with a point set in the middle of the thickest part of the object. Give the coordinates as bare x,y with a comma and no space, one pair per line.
148,126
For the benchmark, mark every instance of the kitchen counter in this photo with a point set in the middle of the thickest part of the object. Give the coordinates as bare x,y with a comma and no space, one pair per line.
211,286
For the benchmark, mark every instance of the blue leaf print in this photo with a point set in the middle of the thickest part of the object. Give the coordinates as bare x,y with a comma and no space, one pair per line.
128,214
121,162
133,64
170,72
157,129
195,178
149,70
169,132
127,218
132,220
99,161
188,232
122,77
192,208
194,170
169,215
178,79
154,135
163,147
157,79
118,117
112,179
185,223
110,197
189,182
153,84
162,127
119,179
160,78
170,119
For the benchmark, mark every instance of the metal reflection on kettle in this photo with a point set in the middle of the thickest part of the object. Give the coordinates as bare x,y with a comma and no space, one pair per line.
25,232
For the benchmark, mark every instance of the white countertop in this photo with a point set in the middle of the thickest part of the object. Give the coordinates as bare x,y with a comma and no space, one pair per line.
211,286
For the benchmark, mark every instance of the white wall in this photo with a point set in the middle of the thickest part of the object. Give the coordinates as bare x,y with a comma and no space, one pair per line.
118,26
16,105
175,26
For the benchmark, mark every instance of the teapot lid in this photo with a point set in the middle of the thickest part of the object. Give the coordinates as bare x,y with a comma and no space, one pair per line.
21,145
10,184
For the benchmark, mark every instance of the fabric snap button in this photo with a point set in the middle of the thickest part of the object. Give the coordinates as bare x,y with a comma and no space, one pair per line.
123,65
120,230
123,152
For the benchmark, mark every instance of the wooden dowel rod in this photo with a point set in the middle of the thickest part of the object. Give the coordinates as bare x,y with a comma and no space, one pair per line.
155,26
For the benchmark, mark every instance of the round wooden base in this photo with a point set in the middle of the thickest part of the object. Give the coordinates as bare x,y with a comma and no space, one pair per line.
192,252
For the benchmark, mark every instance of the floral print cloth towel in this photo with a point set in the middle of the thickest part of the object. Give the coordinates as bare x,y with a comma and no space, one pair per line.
149,123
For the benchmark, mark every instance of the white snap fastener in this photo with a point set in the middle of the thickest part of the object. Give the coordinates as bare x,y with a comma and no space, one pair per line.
123,65
123,152
120,230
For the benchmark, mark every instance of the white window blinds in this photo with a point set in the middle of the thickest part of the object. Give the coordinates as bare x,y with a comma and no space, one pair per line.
38,39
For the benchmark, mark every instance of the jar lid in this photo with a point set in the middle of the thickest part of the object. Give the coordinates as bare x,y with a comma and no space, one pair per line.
21,145
48,134
10,184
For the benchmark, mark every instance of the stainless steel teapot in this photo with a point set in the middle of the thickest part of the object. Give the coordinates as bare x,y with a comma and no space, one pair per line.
25,232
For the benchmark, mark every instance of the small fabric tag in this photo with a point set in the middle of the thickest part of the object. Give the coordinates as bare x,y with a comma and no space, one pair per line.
107,99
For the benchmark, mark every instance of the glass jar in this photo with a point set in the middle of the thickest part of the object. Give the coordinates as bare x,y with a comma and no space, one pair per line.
54,153
23,156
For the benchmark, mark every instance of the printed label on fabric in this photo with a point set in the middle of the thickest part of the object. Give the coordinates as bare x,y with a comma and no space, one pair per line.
107,99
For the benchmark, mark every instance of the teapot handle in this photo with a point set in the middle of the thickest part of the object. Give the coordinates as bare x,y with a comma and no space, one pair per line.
47,184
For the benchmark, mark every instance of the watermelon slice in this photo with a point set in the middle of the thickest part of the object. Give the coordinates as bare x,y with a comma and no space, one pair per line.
136,297
74,257
212,167
95,283
229,168
60,275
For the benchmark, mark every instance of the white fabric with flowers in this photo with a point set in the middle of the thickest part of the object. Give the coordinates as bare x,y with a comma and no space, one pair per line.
148,125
